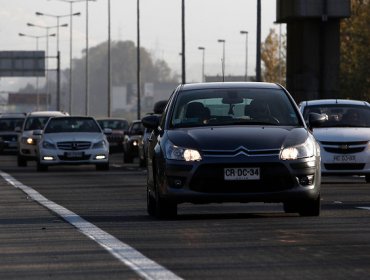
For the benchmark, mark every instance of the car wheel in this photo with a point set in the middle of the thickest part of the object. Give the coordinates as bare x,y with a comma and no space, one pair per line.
164,209
102,167
142,162
41,167
310,207
150,203
127,158
367,178
21,161
290,207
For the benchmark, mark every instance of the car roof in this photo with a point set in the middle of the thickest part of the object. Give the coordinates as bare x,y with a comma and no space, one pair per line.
13,115
220,85
333,102
47,113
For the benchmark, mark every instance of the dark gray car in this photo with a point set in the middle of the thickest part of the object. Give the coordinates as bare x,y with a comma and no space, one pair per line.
232,142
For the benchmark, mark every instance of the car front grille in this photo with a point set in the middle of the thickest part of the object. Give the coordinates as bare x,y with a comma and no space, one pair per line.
74,145
10,138
344,147
209,179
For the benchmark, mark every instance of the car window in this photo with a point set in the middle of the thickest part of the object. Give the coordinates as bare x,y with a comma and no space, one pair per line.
114,124
9,124
33,123
227,107
341,115
61,125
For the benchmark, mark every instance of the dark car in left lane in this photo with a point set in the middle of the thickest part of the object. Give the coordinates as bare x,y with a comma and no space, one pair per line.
8,134
232,142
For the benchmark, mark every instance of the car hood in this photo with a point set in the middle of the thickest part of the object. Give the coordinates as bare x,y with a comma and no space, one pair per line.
73,136
233,137
348,134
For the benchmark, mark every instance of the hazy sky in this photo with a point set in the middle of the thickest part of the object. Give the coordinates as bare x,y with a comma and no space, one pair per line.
206,22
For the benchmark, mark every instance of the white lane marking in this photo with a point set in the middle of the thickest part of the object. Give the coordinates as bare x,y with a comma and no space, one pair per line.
365,208
140,264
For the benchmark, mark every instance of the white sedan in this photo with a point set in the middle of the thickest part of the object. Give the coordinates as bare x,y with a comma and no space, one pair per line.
344,137
72,140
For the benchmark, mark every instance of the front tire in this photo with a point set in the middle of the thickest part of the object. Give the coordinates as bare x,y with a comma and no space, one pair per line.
21,161
367,178
164,209
310,207
127,158
41,167
102,167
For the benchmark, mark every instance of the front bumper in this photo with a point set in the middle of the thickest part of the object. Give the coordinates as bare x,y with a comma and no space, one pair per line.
203,182
90,156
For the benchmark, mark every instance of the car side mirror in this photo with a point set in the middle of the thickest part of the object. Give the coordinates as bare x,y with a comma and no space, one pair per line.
18,129
151,121
316,120
107,131
37,132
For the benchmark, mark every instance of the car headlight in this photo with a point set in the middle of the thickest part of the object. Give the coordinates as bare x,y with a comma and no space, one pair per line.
48,145
99,145
305,150
28,141
179,153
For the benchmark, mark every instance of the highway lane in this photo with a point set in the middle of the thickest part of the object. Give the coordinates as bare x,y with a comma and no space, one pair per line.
242,241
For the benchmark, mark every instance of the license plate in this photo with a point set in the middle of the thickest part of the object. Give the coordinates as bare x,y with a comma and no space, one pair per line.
344,158
74,154
250,173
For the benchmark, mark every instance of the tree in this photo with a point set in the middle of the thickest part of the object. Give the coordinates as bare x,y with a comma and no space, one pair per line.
273,57
355,55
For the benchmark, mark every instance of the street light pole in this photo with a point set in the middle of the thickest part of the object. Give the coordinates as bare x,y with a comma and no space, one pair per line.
138,62
37,78
47,28
223,57
57,17
258,51
203,49
183,60
109,61
246,54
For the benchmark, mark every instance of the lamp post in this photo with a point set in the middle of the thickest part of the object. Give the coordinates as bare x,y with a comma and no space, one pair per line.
109,61
47,28
57,18
37,78
246,53
138,62
203,49
183,60
70,15
223,57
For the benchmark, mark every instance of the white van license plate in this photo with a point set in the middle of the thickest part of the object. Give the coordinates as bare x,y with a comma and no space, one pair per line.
251,173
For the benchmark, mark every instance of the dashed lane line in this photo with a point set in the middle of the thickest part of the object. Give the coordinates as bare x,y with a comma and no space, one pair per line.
365,208
143,266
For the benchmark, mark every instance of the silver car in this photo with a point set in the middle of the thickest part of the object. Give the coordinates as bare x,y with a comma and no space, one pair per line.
26,141
344,137
72,140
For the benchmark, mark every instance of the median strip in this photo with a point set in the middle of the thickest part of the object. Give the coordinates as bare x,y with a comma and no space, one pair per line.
136,261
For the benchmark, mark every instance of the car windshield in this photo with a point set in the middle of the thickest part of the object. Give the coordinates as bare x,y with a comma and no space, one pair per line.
10,124
212,107
339,115
33,123
114,124
62,125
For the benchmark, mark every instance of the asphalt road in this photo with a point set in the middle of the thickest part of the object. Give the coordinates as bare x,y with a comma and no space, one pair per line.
78,223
